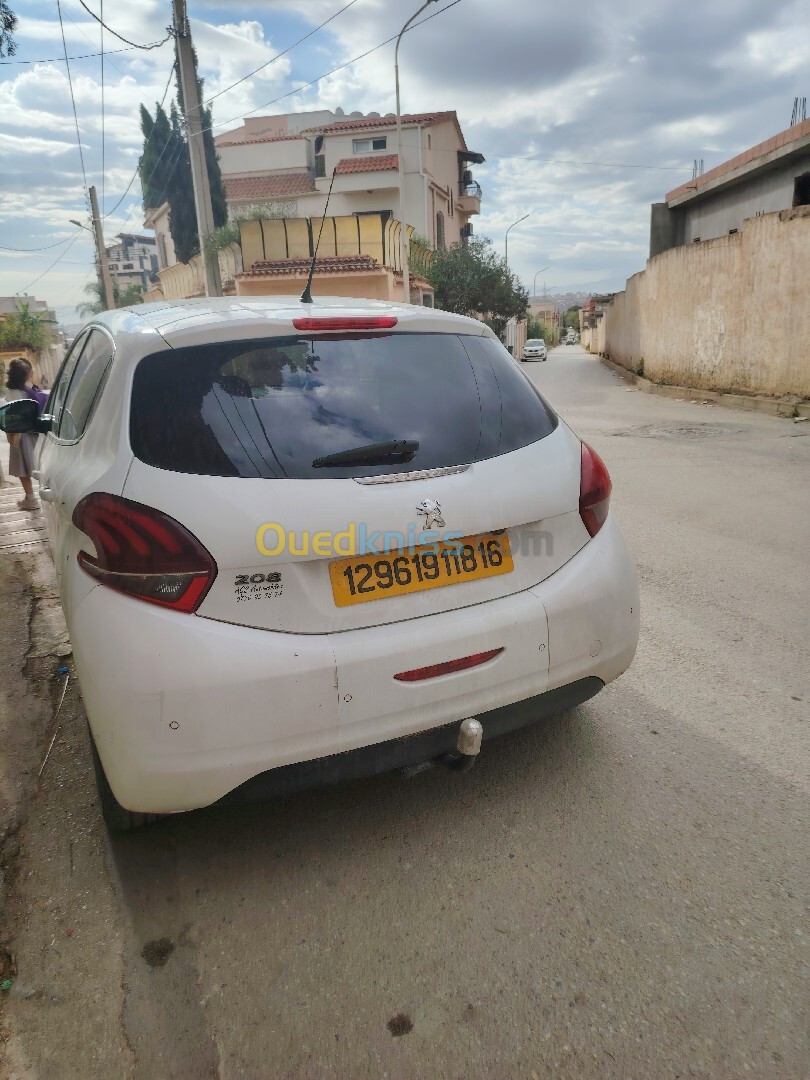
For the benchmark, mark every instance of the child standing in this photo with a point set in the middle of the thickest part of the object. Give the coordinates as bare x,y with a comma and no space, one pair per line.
21,453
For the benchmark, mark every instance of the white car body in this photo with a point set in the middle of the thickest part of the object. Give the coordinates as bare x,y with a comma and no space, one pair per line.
184,708
535,349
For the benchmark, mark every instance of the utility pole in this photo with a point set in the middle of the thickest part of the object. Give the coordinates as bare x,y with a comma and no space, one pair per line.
196,147
103,265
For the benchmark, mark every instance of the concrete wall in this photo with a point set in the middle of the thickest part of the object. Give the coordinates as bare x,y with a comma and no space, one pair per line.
261,158
183,280
715,214
727,314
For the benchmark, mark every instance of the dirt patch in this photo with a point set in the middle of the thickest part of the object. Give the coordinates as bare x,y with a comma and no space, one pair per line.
157,952
680,431
401,1024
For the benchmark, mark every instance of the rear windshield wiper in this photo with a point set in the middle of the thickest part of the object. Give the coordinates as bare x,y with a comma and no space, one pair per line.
394,452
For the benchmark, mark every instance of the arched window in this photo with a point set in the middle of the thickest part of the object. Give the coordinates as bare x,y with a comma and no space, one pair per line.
439,230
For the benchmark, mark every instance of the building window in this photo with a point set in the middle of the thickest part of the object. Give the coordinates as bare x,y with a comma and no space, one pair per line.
126,266
450,209
320,165
439,230
801,190
365,146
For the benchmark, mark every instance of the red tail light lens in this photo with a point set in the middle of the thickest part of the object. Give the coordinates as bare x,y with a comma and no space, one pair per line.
594,490
420,673
143,552
380,322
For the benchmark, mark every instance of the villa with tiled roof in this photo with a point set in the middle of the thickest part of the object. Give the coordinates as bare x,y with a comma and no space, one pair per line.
287,164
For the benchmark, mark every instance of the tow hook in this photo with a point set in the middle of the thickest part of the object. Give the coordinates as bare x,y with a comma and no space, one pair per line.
468,746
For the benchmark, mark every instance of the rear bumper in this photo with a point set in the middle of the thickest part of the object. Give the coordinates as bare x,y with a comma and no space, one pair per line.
427,746
184,709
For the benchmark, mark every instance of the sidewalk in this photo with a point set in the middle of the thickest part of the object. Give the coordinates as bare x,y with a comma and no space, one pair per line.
20,530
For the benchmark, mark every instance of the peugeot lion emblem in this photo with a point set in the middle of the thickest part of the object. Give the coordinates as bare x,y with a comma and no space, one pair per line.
433,514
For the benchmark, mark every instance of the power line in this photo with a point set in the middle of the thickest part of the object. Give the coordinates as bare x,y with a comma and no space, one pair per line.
278,56
58,258
61,59
134,44
72,98
47,247
137,167
340,67
300,88
175,164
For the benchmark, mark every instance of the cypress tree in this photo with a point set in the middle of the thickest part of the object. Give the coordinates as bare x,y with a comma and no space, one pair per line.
165,172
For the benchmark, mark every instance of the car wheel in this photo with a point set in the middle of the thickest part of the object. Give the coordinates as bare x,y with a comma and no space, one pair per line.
116,818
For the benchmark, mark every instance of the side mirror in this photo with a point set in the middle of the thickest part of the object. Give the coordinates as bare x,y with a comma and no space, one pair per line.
21,416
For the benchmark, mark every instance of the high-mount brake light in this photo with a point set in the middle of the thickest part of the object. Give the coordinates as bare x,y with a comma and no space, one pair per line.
434,670
334,322
594,490
143,552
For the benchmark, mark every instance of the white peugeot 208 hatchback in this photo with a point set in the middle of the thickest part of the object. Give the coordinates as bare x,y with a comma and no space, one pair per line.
297,543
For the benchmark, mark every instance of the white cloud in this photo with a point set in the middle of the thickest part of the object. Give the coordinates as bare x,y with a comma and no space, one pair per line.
541,93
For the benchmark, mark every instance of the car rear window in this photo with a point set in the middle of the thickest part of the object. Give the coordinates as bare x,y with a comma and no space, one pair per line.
276,407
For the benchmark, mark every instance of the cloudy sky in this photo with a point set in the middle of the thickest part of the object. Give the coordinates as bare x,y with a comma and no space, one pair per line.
586,113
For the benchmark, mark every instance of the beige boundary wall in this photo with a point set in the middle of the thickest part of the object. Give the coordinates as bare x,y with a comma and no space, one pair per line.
726,314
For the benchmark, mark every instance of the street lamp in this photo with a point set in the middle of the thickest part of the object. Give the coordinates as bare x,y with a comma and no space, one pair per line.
534,287
506,240
403,236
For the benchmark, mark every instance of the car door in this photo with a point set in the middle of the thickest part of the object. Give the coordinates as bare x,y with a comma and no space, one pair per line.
63,460
48,448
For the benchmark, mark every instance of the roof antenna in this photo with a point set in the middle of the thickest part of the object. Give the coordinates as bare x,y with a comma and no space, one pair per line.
306,295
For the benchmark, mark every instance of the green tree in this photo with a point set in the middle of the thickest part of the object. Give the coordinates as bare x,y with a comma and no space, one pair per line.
160,154
471,279
8,24
24,329
132,294
571,318
165,171
537,329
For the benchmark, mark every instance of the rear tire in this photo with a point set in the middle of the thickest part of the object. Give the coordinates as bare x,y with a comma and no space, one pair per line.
116,818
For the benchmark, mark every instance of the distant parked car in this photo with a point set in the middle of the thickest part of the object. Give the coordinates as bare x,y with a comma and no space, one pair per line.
571,339
535,349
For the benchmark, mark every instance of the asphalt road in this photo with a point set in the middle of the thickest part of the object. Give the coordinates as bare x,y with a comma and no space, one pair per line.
617,893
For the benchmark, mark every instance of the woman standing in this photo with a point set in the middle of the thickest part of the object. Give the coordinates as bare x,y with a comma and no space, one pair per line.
21,454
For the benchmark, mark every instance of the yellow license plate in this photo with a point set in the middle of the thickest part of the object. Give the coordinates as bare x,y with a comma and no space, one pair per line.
375,577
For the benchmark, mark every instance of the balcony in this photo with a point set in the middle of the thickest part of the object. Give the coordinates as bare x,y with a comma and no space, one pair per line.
469,198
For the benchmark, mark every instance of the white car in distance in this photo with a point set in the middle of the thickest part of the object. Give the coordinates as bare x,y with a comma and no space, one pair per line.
535,349
297,543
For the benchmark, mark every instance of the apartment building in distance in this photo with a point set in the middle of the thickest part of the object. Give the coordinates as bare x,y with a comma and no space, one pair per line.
133,260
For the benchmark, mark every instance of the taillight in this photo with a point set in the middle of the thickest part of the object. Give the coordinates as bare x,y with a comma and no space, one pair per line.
378,322
143,552
434,670
594,490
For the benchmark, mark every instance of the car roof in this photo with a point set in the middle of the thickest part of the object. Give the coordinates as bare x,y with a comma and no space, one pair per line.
189,318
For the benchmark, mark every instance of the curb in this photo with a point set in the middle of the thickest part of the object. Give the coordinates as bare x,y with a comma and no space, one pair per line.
786,409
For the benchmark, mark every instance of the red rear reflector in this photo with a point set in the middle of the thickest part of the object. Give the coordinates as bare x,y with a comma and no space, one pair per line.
143,552
594,490
381,322
417,674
